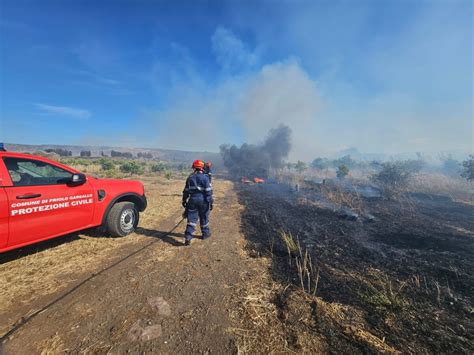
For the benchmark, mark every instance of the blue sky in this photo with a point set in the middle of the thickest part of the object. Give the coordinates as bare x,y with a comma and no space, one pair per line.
383,76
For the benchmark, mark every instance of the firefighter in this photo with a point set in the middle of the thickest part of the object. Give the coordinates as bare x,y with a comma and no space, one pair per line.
207,171
197,201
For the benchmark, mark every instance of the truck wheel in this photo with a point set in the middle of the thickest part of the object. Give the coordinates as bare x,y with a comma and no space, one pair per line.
122,219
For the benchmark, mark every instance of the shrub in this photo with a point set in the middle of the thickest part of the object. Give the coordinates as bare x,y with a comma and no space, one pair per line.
393,177
182,167
168,174
106,164
468,168
82,161
158,167
342,171
112,174
132,167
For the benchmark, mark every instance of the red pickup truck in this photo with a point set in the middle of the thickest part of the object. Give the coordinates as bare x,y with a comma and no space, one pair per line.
42,199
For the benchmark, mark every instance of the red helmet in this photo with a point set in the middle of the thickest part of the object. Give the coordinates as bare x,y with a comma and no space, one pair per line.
198,164
209,164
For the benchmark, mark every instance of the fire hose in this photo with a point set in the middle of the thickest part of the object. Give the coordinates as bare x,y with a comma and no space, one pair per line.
24,320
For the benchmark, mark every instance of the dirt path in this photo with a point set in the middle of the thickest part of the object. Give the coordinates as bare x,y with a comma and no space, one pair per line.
121,310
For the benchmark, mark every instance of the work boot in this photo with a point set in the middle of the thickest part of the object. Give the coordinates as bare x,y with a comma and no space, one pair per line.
205,236
187,242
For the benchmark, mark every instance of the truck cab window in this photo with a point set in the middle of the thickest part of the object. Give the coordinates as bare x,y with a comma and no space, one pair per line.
29,172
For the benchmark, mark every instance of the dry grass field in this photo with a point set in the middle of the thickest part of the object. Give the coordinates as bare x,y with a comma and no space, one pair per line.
38,271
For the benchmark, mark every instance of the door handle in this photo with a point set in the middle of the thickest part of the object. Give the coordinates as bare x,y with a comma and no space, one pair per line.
25,197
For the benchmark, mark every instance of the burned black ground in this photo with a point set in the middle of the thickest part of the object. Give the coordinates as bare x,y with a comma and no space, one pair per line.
406,279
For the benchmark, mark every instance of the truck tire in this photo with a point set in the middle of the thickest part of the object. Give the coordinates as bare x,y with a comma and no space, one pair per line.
122,219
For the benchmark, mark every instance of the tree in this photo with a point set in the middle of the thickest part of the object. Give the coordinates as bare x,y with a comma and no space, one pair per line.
468,168
342,171
132,167
86,153
116,154
346,160
301,166
320,163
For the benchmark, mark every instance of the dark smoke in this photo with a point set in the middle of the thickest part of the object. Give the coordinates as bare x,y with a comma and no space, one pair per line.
258,160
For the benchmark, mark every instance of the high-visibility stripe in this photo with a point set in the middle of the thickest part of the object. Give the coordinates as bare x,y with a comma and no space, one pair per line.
206,225
199,188
192,224
194,188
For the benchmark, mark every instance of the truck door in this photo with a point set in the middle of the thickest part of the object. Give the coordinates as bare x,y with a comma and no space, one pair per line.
3,218
42,202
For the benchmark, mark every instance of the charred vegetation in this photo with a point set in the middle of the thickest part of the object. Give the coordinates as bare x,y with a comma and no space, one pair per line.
404,281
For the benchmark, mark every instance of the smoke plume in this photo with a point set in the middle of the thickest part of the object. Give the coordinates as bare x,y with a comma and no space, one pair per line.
258,160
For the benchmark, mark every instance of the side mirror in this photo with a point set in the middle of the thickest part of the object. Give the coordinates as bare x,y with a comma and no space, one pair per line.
78,179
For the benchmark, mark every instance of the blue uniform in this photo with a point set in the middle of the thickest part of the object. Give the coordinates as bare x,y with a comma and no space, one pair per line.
198,194
208,172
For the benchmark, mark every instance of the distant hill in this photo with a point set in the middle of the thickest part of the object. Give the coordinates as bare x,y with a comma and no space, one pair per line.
97,151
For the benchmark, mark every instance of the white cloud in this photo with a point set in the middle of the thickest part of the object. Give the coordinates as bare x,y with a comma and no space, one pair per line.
65,111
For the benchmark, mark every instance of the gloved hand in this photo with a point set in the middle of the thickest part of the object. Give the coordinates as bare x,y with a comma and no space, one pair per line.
211,206
184,203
